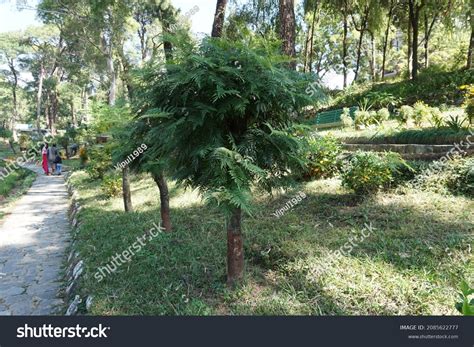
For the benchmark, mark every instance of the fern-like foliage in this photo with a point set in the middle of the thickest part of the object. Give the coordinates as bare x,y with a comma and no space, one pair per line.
223,116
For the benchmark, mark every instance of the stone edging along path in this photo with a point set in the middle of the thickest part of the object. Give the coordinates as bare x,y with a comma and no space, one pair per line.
34,237
75,265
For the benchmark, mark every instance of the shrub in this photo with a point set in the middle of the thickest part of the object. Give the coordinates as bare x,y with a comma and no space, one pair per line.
466,306
372,118
100,161
323,155
456,123
383,99
361,118
382,115
460,176
469,101
64,141
83,156
436,118
421,112
405,114
455,176
24,141
368,172
346,118
111,186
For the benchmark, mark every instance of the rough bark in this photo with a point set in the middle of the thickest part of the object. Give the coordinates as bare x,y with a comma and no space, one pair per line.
288,29
167,45
373,62
164,201
39,95
344,49
410,53
362,29
414,15
471,43
385,41
112,77
306,58
311,51
219,16
235,249
11,65
73,114
127,196
427,36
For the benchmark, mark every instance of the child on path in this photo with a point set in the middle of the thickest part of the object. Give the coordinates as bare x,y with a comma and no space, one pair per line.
59,163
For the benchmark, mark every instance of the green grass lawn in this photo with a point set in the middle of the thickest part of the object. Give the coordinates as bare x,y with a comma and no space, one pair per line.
13,186
411,264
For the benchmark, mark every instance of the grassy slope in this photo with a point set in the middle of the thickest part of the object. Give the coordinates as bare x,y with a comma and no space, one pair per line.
412,264
15,184
434,88
431,136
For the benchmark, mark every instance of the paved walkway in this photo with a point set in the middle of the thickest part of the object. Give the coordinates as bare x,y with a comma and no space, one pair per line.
33,239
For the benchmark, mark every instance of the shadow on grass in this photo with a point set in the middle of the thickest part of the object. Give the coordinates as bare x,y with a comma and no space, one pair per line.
184,272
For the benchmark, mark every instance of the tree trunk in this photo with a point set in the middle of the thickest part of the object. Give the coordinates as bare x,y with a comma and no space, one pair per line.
415,48
311,50
306,51
12,146
385,41
39,95
414,20
54,111
167,45
363,28
219,17
164,201
359,53
427,36
73,114
471,43
344,49
127,196
373,67
288,29
410,53
14,117
235,249
112,77
426,41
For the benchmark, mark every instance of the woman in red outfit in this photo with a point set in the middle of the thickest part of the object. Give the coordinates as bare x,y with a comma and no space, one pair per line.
44,154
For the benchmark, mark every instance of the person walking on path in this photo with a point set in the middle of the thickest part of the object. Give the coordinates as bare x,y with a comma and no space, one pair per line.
44,154
59,163
52,153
